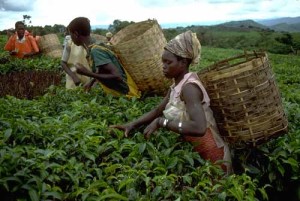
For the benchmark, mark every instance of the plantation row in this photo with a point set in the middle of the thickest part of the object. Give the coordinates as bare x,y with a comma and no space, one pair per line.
59,147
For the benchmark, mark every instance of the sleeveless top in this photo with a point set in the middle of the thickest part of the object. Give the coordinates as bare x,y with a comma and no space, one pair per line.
176,109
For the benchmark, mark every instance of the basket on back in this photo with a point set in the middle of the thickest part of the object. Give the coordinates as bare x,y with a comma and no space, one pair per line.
99,37
50,45
139,46
245,99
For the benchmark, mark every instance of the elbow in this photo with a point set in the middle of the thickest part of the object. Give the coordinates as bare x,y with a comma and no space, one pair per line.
197,131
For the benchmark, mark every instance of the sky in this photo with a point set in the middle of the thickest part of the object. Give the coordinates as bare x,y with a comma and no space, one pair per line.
104,12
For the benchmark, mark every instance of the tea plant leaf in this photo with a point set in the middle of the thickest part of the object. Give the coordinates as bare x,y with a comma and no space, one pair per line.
156,191
292,162
55,195
113,196
7,134
125,183
142,147
33,195
187,179
172,163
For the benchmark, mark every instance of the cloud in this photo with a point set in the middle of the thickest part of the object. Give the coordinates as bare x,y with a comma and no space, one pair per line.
16,6
104,12
165,3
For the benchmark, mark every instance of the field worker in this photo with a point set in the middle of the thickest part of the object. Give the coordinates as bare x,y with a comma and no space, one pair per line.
185,109
106,68
73,54
108,37
21,44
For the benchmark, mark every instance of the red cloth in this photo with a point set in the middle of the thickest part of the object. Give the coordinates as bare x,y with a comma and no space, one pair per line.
206,147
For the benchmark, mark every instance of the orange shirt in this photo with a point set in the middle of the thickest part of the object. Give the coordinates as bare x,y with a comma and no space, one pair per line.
26,45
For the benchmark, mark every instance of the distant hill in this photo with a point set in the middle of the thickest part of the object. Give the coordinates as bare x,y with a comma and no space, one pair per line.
243,23
272,22
246,23
288,24
286,27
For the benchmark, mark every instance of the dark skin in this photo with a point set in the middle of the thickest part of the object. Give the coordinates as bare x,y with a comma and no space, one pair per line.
191,95
20,28
104,72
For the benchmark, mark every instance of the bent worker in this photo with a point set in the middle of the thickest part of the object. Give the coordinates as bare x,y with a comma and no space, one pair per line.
105,65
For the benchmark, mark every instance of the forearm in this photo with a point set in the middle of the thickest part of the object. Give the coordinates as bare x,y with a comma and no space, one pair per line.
188,127
101,77
153,114
67,69
146,118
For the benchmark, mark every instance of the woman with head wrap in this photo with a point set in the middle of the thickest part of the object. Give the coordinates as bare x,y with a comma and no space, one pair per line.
185,109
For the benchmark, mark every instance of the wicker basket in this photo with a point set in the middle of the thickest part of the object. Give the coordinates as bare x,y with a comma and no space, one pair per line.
245,99
99,37
50,45
139,46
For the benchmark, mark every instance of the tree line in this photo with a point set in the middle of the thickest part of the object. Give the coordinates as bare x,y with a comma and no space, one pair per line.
220,36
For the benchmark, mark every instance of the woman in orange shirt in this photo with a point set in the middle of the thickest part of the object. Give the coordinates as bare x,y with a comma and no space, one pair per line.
20,44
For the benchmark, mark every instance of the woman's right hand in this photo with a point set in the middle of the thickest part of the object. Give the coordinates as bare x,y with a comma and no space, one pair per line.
127,128
76,80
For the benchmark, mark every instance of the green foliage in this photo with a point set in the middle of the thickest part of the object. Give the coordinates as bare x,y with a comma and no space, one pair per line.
118,25
242,38
59,147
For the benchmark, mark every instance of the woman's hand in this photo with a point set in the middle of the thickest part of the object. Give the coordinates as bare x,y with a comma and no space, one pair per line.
80,69
152,127
76,80
127,128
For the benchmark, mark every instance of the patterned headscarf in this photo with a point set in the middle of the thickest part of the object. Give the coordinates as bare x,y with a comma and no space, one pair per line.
185,45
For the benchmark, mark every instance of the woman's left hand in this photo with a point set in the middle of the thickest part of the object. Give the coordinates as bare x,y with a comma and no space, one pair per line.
151,128
80,69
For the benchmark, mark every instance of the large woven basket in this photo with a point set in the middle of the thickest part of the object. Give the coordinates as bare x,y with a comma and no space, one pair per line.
245,99
139,46
50,45
99,37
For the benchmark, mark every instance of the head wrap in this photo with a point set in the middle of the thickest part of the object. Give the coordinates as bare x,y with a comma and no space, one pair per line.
185,45
109,34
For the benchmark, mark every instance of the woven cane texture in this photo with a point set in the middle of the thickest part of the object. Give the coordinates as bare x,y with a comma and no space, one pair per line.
99,37
245,99
139,46
50,45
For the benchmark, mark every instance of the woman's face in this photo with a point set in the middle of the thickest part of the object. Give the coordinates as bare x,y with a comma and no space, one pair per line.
172,67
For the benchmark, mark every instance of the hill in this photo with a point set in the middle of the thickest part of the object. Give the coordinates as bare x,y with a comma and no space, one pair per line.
286,27
244,23
287,20
287,24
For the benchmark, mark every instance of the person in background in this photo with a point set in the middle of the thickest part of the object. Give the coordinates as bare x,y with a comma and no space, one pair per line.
106,68
73,54
109,35
67,37
21,44
185,109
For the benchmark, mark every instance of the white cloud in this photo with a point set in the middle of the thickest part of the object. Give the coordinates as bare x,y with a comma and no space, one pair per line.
101,12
